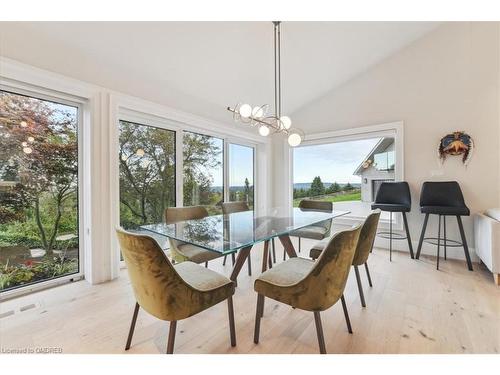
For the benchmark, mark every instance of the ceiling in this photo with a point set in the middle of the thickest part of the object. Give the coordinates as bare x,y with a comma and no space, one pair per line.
202,67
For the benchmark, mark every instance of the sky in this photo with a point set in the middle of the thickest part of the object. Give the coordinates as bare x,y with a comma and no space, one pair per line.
240,165
334,162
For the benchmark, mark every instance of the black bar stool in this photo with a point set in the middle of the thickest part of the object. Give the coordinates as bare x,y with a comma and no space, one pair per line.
443,199
394,197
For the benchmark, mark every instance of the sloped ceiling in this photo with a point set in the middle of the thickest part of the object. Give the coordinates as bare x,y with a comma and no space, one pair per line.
202,67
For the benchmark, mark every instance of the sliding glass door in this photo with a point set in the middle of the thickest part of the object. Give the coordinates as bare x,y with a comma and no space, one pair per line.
39,205
241,174
203,163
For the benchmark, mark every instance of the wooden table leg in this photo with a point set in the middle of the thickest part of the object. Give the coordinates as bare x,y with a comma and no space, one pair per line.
240,260
265,256
288,245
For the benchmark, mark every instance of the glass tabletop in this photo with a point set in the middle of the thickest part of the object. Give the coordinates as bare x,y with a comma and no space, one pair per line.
228,233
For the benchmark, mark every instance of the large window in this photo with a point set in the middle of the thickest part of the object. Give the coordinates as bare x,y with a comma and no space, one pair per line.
147,173
203,161
346,173
241,187
39,226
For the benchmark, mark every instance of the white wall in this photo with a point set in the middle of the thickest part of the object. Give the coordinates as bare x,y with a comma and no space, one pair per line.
446,81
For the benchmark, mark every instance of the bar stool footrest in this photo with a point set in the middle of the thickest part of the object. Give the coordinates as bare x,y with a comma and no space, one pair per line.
449,243
395,236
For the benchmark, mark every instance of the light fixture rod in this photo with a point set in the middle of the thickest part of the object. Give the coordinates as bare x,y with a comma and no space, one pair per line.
277,68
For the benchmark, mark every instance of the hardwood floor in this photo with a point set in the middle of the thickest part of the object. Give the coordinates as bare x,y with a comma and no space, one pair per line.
412,308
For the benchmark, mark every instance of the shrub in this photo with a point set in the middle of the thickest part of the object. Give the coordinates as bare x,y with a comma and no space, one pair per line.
30,272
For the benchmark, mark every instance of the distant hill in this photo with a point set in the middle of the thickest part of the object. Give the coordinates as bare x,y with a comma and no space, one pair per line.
307,185
299,185
218,189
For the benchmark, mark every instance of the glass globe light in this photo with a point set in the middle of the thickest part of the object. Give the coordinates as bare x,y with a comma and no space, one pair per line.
245,110
24,144
286,122
140,152
257,112
124,157
27,150
31,139
24,124
294,139
264,130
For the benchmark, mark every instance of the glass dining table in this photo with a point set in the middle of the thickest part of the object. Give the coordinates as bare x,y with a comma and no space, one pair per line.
238,232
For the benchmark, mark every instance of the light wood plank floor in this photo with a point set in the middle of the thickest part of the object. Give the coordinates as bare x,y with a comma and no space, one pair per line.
412,308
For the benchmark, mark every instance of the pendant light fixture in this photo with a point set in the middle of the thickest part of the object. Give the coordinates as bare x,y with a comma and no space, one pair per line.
258,117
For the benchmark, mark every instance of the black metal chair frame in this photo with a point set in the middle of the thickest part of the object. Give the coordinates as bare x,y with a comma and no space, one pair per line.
396,236
446,242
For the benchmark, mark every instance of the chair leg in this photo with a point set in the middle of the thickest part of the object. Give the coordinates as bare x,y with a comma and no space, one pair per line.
258,316
233,258
439,242
390,238
206,264
232,329
171,337
368,275
319,331
265,256
299,244
270,260
360,286
249,262
132,326
464,242
274,251
444,235
346,314
422,234
224,261
408,237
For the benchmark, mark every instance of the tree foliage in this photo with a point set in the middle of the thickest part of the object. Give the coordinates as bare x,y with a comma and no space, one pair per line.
317,187
39,160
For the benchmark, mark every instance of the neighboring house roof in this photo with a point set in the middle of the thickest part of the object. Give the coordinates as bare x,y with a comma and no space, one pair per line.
379,147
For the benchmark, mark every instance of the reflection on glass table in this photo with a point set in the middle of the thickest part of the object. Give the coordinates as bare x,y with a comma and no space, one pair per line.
240,231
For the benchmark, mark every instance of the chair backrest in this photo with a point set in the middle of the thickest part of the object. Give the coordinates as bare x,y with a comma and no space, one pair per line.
310,204
232,207
158,288
366,238
445,193
394,193
175,214
325,283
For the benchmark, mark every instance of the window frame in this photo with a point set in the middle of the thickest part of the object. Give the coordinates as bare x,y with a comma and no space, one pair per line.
393,129
81,105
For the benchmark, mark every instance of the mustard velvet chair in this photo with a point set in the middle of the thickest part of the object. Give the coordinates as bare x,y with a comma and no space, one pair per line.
309,285
171,292
363,250
318,231
230,208
181,251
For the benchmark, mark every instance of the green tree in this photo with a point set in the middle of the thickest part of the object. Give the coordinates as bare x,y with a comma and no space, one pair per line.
247,191
335,187
202,154
39,154
147,173
348,187
317,187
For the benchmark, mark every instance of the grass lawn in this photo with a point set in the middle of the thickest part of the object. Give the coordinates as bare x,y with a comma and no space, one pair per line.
356,196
